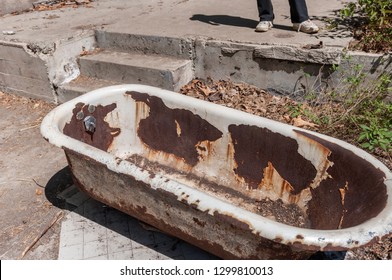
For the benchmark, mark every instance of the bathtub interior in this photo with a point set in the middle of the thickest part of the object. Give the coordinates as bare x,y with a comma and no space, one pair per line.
280,172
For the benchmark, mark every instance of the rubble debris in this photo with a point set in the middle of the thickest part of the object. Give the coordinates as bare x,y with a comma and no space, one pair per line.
46,5
8,32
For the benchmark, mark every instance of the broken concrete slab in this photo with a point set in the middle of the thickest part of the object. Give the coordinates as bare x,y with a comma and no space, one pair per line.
11,6
22,72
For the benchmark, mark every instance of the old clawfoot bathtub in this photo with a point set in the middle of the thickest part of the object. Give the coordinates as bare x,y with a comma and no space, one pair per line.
236,185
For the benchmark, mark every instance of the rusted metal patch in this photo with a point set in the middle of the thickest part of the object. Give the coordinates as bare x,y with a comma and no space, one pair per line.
231,220
103,135
353,193
255,148
174,131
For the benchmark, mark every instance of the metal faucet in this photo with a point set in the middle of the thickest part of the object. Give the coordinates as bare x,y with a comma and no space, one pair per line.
90,123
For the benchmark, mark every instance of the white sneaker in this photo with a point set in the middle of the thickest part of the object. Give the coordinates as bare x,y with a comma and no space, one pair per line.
306,26
264,26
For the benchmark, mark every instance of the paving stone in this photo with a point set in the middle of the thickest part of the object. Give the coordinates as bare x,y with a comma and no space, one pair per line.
163,238
73,222
126,255
144,254
102,257
74,196
170,250
141,236
74,252
95,248
118,228
94,232
69,238
113,215
118,244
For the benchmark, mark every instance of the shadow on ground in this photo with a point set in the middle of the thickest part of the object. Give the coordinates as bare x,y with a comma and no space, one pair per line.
225,20
96,216
232,21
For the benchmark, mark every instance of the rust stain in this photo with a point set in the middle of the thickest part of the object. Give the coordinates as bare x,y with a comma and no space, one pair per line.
173,131
278,239
170,160
205,149
281,251
198,222
342,196
298,245
178,128
232,165
331,247
231,220
365,193
103,136
195,204
255,147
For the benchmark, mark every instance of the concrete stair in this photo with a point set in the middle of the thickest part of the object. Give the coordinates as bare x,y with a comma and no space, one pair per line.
80,86
112,65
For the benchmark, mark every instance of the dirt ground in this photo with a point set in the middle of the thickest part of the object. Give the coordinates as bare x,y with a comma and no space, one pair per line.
29,222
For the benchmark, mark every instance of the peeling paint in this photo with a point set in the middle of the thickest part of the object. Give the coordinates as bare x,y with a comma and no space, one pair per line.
365,193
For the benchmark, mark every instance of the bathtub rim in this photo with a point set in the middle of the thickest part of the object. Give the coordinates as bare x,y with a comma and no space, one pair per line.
328,240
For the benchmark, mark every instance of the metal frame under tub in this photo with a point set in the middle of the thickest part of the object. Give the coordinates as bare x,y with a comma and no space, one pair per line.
229,182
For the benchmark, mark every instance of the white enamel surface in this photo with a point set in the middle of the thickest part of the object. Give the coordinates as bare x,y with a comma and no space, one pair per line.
218,116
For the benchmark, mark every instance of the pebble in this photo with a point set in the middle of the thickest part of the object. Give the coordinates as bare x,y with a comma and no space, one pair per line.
8,32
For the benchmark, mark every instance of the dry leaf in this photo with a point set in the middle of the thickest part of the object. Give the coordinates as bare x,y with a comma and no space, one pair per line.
206,90
299,122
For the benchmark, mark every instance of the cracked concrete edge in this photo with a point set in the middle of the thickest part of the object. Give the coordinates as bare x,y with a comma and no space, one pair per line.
185,47
147,44
56,63
10,6
24,73
322,56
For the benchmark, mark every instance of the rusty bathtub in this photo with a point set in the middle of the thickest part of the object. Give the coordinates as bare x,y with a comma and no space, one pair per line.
236,185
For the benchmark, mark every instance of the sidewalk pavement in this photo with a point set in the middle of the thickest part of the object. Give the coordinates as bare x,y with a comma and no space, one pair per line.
228,20
94,231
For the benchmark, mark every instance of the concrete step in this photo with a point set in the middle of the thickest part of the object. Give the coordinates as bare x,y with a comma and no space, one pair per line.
147,44
155,70
80,86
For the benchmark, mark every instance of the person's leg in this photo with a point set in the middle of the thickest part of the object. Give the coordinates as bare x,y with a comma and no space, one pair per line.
266,14
266,11
300,18
298,11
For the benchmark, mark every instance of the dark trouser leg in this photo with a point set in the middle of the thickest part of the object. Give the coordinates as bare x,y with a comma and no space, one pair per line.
298,11
266,11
